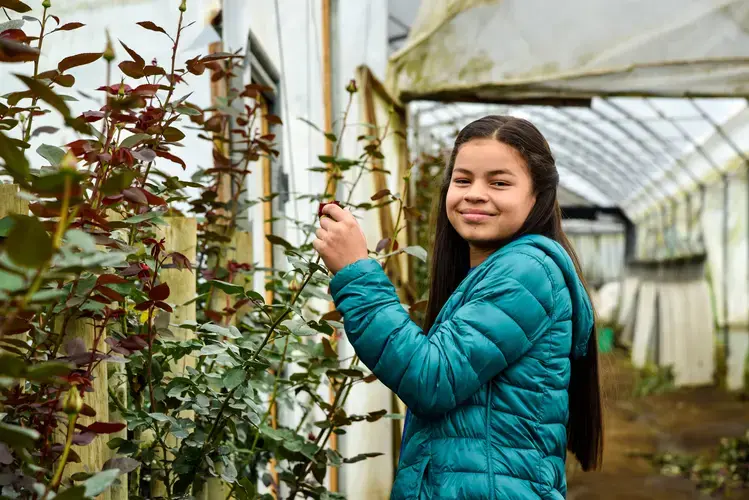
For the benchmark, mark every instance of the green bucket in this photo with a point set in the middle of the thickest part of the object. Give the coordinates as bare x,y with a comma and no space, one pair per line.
605,340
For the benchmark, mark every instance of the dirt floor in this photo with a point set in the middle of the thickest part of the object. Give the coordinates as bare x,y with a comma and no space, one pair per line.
685,421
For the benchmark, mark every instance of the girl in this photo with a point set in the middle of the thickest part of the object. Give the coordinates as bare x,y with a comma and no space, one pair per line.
506,379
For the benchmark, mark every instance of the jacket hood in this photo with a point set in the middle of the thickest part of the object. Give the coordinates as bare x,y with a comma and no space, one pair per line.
582,310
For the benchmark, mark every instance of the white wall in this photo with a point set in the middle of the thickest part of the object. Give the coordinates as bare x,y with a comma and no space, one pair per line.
119,18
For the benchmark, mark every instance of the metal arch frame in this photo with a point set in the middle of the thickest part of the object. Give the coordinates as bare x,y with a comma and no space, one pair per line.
562,136
665,143
659,151
653,156
567,159
603,145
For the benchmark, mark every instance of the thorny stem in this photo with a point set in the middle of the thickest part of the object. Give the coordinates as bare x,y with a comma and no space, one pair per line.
265,341
274,393
27,134
172,84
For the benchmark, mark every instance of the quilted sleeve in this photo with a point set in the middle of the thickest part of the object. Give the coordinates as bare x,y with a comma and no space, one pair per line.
503,317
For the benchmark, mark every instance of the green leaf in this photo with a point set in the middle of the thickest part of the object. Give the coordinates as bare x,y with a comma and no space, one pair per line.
417,252
18,437
134,139
233,378
359,458
15,162
42,91
52,154
212,349
160,417
187,110
11,366
28,243
74,493
6,223
135,219
47,371
100,482
277,240
118,182
227,288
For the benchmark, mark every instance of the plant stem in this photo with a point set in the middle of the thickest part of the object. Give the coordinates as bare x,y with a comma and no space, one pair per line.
64,456
27,134
274,393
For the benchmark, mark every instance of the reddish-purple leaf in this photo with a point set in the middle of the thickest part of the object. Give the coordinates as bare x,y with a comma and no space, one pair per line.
108,279
15,5
163,306
84,438
69,27
111,294
160,292
380,194
135,195
78,60
134,343
144,306
136,57
171,157
382,245
132,69
180,261
44,130
106,427
92,116
152,199
151,26
154,71
146,90
64,80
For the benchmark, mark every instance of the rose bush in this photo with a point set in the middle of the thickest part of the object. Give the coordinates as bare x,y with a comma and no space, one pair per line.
92,356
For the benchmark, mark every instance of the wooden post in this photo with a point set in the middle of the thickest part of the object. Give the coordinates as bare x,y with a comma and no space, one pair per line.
10,203
97,452
181,235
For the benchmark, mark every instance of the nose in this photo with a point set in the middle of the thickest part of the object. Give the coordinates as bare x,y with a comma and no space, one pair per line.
477,193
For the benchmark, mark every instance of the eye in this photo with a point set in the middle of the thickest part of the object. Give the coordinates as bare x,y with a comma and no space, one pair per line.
461,181
500,183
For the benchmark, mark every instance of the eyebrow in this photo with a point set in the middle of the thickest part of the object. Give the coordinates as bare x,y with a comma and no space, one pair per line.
491,173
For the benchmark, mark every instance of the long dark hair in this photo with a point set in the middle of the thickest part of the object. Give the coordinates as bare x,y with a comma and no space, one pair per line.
450,264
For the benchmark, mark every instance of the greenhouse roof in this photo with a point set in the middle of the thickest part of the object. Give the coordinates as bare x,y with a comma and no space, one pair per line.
624,98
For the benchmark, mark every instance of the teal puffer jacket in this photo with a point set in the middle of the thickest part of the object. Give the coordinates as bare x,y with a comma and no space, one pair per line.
487,386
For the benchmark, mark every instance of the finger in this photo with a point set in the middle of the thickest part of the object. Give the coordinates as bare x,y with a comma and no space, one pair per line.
334,212
327,223
321,234
317,245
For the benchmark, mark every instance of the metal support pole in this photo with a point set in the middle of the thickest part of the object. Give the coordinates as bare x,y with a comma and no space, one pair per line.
725,265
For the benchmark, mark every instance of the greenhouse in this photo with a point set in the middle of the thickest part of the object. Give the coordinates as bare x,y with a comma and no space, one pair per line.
168,328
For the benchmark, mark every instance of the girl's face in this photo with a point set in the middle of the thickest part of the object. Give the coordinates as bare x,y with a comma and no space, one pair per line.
490,195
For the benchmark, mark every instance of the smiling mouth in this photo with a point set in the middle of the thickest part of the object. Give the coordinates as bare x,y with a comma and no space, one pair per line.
472,216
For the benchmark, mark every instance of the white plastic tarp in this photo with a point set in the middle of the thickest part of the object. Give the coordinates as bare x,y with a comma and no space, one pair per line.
491,50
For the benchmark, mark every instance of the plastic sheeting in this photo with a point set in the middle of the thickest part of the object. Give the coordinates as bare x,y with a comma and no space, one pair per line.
601,255
670,328
491,50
